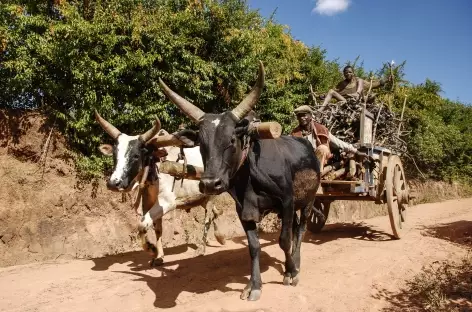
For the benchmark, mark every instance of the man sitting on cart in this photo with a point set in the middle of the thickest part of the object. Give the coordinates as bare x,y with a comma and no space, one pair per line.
319,136
352,87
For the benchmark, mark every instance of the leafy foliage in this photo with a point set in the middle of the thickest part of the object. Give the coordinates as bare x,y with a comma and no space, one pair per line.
69,57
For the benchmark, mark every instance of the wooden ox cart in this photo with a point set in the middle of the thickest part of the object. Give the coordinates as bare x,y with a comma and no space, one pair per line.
379,178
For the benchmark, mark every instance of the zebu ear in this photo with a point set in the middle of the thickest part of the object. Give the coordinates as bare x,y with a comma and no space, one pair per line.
106,149
160,152
188,137
242,123
242,127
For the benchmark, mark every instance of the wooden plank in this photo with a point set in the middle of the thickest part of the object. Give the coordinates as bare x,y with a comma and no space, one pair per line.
341,182
339,196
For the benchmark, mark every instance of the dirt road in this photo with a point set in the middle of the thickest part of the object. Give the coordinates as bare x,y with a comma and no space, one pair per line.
349,267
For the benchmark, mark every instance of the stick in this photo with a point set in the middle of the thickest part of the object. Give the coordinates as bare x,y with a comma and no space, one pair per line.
393,77
45,151
48,141
368,92
414,162
376,122
401,117
313,95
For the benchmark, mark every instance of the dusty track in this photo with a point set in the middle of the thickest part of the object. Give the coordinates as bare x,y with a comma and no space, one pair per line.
349,267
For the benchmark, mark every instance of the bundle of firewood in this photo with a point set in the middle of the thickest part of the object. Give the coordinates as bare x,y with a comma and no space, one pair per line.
343,121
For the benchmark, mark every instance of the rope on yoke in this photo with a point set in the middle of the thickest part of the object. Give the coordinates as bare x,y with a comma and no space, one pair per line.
181,156
148,163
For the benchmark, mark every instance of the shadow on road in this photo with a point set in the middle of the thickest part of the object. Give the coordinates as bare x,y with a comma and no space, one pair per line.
138,259
353,230
201,274
218,270
459,232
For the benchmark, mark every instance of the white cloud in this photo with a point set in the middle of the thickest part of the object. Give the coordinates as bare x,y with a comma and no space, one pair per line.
331,7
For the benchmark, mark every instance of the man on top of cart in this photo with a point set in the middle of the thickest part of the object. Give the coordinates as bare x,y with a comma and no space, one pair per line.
352,87
319,136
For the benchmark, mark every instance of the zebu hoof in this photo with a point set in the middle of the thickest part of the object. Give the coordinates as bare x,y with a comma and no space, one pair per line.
156,262
287,280
200,251
255,295
251,294
220,238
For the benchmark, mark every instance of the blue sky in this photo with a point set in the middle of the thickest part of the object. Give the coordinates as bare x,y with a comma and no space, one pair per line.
433,36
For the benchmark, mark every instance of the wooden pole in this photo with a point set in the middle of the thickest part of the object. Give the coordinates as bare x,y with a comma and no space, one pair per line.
401,117
313,95
176,169
267,130
165,140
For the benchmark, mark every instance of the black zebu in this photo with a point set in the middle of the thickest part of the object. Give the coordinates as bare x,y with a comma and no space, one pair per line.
280,175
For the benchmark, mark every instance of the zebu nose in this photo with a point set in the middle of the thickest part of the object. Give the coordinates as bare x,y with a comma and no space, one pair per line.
114,184
211,186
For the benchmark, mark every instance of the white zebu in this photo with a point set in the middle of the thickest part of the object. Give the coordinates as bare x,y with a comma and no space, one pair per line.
158,198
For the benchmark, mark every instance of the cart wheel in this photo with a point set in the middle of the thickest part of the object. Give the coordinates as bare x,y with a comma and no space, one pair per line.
396,190
316,223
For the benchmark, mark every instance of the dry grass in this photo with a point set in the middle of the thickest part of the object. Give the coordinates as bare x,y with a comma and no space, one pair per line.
443,286
437,191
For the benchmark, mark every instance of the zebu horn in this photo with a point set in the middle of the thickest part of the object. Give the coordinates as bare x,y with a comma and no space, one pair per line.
251,99
108,127
151,132
185,106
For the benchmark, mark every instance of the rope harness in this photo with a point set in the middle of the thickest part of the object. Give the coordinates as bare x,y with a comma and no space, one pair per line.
149,174
181,156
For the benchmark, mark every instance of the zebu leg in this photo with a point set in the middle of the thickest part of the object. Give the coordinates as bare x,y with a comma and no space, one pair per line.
285,241
159,258
210,218
215,214
299,229
295,227
206,226
218,235
144,226
146,199
253,290
153,212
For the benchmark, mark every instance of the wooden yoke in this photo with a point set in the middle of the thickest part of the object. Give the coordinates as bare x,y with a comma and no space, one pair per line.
266,130
165,140
176,169
262,131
